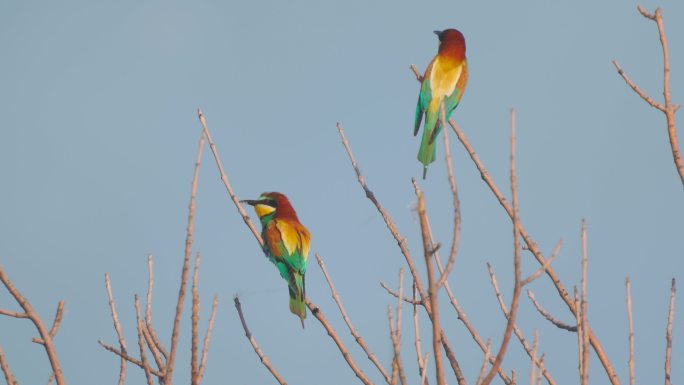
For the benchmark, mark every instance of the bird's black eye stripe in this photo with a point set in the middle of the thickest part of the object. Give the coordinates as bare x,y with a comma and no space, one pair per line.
271,202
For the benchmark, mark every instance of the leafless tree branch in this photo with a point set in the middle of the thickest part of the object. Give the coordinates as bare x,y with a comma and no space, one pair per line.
357,337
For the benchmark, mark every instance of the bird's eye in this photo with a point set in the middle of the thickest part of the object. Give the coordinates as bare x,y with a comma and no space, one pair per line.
272,203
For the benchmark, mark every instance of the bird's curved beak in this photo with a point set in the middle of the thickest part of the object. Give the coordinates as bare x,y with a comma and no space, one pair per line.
437,32
250,202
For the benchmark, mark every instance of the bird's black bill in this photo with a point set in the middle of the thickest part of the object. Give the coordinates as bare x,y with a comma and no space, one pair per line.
250,202
437,32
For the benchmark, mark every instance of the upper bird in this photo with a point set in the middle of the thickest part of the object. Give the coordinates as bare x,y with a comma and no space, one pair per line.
444,81
286,244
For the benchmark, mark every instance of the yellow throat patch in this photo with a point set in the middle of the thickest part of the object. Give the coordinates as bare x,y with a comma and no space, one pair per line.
263,210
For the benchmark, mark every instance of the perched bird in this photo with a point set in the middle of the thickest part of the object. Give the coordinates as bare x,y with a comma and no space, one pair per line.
286,244
444,81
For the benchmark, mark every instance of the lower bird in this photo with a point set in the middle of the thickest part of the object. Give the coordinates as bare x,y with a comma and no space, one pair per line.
286,244
443,84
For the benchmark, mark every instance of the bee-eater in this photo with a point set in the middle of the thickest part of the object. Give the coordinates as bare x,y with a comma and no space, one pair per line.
286,244
444,81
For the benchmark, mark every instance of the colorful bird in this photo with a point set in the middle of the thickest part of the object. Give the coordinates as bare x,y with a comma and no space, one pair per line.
444,81
286,244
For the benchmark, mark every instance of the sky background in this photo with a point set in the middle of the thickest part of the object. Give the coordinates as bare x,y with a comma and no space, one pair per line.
99,132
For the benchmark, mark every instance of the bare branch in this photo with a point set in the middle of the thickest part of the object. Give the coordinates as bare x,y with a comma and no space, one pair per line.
548,316
423,377
401,241
264,359
517,287
397,365
316,311
668,332
533,369
207,339
416,332
542,269
9,377
419,77
432,291
636,88
534,249
194,374
128,358
55,323
628,287
428,304
170,362
141,343
153,348
226,183
585,320
14,314
38,323
529,350
148,310
396,295
357,337
668,108
456,237
117,328
485,361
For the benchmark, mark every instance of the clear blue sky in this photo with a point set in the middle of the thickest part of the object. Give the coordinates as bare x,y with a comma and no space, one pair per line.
98,133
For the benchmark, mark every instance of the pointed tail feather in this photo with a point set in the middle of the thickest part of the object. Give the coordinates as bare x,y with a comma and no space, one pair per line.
297,295
427,151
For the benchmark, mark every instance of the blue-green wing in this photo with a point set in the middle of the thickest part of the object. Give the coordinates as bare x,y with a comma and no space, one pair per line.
423,100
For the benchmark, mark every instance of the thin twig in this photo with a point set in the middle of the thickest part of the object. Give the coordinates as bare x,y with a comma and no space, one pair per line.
194,374
38,323
128,358
14,314
668,108
397,365
432,291
463,317
416,332
168,375
423,377
485,361
533,369
394,294
585,320
630,361
357,337
264,359
427,304
55,323
141,343
516,329
153,348
548,316
668,333
148,310
580,331
316,311
117,328
9,377
58,319
207,339
401,241
517,287
534,249
226,183
456,237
